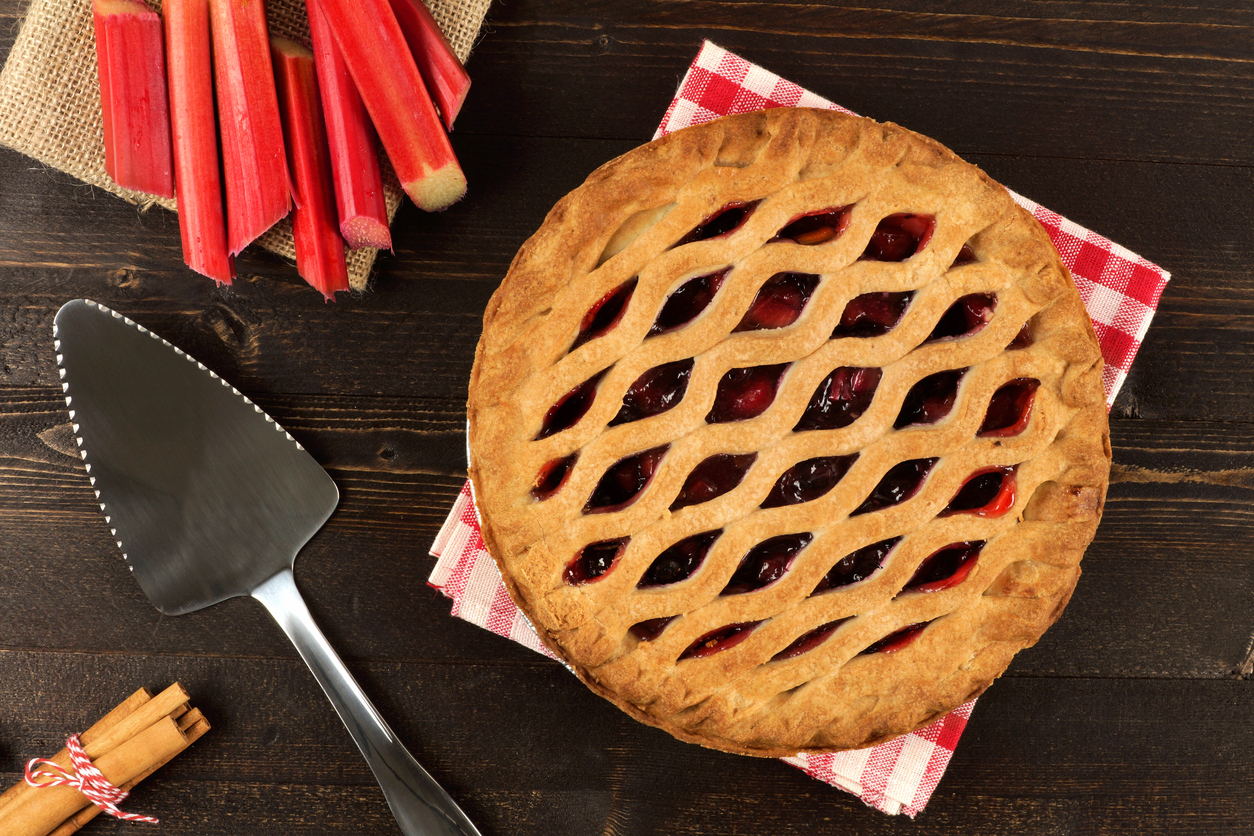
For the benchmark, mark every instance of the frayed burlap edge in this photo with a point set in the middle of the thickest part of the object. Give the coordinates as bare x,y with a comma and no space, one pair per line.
50,99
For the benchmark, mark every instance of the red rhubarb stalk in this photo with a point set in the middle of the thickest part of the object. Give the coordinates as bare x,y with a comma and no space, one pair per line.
319,247
397,100
131,63
201,221
441,69
352,140
253,159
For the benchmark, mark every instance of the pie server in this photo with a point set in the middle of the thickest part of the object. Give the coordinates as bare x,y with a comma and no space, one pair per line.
209,498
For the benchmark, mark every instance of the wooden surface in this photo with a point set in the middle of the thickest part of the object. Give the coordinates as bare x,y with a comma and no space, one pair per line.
1134,715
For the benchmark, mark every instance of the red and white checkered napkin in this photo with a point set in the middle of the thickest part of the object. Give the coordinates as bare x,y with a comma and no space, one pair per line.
1120,290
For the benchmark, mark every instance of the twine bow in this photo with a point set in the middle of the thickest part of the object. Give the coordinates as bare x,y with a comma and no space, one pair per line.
85,778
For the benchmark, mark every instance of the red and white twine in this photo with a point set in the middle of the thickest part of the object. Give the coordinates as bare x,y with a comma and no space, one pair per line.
85,778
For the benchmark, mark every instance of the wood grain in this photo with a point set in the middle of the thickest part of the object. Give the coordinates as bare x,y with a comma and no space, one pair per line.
560,760
398,470
421,324
1125,96
1132,716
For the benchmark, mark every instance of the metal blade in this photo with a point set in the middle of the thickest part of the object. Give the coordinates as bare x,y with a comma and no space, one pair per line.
206,495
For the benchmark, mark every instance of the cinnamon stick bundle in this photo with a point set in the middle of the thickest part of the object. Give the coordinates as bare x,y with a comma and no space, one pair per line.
127,745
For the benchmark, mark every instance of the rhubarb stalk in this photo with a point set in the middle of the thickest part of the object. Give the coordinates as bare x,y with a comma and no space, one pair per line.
253,159
131,63
319,247
352,141
441,69
201,221
388,80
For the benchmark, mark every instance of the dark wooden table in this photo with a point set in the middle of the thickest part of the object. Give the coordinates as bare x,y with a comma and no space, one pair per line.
1134,714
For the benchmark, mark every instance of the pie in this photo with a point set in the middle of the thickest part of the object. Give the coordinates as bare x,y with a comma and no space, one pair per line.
787,432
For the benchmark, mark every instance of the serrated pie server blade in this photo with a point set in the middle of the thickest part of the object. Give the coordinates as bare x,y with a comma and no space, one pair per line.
209,498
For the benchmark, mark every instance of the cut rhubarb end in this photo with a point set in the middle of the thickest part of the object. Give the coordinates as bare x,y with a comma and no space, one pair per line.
258,191
396,98
366,232
441,69
455,104
359,196
438,190
135,110
319,247
202,223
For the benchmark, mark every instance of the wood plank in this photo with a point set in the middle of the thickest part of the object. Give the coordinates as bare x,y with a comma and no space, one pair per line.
529,750
273,335
1170,562
1020,85
1032,13
960,24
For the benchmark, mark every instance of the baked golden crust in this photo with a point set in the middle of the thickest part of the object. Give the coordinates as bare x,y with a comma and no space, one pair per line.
623,224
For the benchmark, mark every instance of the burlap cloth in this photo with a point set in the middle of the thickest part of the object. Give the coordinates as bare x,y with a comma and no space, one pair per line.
50,98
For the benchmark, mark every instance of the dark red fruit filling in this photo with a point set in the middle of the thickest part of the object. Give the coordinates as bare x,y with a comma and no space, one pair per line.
648,631
858,566
809,641
745,393
808,480
779,301
901,482
724,221
840,400
605,314
896,641
815,227
872,314
719,640
766,563
552,476
679,561
965,317
987,493
594,561
712,478
654,392
623,482
930,399
687,302
946,568
1023,339
898,237
1010,409
966,255
566,412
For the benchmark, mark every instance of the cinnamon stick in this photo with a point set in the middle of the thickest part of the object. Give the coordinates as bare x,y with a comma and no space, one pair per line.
127,745
150,712
193,724
110,720
42,810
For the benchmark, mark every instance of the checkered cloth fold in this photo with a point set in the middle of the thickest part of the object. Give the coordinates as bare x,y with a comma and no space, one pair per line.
1120,290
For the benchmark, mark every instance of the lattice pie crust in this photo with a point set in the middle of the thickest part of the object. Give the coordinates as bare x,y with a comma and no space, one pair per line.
788,431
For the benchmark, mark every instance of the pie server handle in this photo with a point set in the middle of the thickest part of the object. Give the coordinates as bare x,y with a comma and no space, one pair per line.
420,805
